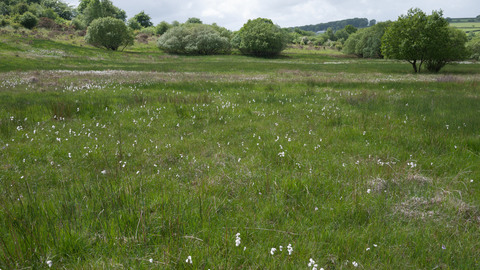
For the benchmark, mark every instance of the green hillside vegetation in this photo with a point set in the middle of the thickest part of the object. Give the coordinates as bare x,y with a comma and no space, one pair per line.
337,25
311,158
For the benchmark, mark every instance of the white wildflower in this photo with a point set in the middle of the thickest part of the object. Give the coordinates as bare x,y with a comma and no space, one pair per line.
237,239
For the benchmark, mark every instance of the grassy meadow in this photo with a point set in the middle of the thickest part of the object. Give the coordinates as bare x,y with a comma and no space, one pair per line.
467,26
313,159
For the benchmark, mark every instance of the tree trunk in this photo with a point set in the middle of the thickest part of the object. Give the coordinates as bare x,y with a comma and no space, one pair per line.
414,64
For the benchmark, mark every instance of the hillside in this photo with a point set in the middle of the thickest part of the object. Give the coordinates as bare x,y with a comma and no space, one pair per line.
336,25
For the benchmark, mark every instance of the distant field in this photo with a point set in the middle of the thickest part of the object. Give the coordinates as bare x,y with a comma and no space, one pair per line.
467,26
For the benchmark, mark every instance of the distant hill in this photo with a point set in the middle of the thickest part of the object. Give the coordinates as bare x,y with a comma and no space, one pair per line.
337,25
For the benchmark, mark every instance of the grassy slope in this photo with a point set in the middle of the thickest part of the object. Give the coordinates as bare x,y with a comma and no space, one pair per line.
347,160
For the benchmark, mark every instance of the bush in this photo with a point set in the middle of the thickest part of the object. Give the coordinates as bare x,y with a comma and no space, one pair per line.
49,13
162,27
109,33
149,30
133,24
79,24
47,23
260,37
28,20
473,47
4,21
193,39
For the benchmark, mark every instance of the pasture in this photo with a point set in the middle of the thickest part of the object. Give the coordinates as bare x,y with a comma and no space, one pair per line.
313,159
467,26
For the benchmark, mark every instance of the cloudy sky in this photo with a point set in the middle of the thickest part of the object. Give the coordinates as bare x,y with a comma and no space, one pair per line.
233,14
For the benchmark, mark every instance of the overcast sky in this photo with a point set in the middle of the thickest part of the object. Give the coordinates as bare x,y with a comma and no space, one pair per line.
233,14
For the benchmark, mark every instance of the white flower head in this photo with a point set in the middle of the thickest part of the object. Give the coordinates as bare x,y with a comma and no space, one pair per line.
151,260
272,251
311,262
237,239
189,260
289,249
49,263
355,264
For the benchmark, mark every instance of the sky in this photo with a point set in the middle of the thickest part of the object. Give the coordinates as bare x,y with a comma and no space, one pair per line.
233,14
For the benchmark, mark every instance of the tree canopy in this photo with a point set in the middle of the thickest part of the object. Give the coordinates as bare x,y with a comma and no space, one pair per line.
366,41
109,33
418,38
260,37
143,19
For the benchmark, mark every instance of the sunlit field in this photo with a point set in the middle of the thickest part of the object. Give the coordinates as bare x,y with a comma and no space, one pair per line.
313,159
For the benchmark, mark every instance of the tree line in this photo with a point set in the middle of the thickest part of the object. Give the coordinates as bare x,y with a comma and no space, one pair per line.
337,25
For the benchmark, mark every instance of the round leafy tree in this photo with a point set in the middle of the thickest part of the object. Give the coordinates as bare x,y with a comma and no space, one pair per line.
193,39
260,37
143,19
28,20
109,33
420,38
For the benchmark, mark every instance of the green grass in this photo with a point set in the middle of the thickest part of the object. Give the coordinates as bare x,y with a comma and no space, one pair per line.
467,26
348,160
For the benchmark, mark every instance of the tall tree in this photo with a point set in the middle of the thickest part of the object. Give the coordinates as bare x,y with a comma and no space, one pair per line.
143,19
417,38
101,8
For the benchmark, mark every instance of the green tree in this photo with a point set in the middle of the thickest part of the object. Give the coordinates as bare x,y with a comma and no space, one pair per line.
134,24
194,20
162,27
473,47
341,34
20,8
100,9
109,33
175,23
62,9
350,29
260,37
477,18
49,13
417,38
143,19
4,9
28,20
329,35
454,49
372,22
366,41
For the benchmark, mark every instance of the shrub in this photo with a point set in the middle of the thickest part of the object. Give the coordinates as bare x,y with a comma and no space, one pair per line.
193,39
473,47
28,20
49,13
260,37
79,24
133,24
162,27
4,21
109,33
149,30
47,23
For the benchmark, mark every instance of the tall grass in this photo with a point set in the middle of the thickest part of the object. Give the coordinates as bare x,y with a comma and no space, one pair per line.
142,170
